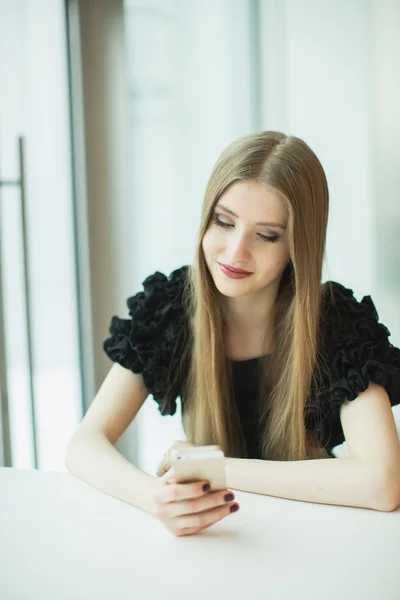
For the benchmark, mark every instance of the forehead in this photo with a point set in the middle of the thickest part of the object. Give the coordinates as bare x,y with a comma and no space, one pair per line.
254,202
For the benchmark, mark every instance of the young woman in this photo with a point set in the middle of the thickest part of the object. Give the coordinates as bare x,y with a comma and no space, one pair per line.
270,364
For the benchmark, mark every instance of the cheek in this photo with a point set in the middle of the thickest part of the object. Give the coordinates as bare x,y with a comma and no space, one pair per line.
281,260
209,244
204,244
277,260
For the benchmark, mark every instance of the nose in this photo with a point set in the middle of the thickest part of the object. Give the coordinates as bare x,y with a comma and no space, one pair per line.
238,249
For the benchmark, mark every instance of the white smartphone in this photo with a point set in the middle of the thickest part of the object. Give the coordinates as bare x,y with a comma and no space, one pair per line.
200,463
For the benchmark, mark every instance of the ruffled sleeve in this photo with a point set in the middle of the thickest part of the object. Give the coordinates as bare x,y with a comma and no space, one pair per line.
149,341
357,351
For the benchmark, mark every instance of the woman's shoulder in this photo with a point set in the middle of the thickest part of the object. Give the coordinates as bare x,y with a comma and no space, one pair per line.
147,341
157,307
345,318
357,344
161,294
355,350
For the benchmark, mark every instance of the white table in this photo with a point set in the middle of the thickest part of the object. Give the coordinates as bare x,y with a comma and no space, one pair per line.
62,539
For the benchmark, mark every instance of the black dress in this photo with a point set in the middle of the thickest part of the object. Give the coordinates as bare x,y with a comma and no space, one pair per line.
355,343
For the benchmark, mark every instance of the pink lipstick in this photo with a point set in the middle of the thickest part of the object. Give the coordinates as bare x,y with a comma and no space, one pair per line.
234,273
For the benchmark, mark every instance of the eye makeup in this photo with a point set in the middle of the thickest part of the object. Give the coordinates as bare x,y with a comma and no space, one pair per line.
265,238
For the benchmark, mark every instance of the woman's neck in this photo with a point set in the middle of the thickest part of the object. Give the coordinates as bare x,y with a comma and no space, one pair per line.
251,312
250,324
237,349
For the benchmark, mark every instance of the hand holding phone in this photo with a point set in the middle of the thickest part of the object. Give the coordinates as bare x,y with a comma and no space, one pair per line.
199,463
192,495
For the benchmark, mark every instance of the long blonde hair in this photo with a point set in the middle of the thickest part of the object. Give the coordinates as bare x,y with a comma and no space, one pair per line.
209,413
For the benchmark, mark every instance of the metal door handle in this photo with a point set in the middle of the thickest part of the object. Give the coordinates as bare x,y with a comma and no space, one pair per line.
4,398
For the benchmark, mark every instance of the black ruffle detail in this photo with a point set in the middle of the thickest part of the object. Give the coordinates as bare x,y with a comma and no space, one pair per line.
146,343
357,351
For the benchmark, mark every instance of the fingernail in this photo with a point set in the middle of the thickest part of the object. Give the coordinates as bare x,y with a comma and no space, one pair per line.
234,508
206,487
229,497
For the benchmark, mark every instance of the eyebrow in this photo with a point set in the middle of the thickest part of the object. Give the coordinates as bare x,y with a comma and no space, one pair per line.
265,223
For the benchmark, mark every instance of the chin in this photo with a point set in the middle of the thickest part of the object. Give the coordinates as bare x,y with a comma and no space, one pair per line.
231,287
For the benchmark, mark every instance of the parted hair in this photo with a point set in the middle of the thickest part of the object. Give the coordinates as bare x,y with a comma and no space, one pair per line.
291,168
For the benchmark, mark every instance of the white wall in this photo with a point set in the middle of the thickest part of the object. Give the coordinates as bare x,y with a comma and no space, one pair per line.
110,218
317,85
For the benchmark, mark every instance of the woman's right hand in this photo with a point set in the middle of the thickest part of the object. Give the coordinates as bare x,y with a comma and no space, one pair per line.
187,508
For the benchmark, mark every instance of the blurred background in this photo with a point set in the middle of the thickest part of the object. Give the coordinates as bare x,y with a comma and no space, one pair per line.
112,114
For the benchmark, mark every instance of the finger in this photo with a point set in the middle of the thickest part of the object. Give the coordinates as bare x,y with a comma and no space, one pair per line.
189,524
168,477
200,504
165,463
164,466
185,491
180,443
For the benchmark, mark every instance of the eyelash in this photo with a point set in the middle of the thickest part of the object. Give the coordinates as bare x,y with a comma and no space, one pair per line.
264,238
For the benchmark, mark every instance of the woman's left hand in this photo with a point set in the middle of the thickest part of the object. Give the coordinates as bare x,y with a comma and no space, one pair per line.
165,463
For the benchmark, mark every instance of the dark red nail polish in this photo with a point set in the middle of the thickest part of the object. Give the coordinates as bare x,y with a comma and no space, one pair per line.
234,508
206,487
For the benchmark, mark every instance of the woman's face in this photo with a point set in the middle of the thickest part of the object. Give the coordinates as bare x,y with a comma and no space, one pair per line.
248,232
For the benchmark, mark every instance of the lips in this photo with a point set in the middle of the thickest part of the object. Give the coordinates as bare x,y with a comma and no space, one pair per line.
233,273
234,270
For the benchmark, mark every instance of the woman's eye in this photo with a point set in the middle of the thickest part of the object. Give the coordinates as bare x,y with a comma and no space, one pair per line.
264,238
267,238
220,223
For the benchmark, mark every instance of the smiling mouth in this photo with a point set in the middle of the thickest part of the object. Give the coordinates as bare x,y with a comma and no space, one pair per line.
237,271
232,271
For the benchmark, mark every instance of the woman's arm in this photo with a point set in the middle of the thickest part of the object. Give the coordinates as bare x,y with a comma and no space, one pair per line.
343,481
95,460
368,478
91,455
